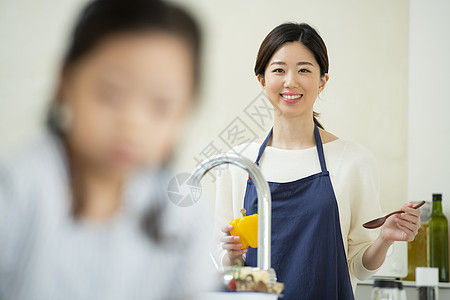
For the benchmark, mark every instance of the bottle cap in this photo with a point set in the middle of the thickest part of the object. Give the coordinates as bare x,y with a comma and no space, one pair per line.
427,276
437,197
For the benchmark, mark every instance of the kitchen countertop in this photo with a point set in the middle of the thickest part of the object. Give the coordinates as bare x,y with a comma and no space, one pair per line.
364,290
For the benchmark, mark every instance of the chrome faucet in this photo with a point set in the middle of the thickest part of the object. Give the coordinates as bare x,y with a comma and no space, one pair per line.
262,191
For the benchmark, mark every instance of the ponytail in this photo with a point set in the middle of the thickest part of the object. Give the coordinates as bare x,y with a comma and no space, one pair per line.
315,116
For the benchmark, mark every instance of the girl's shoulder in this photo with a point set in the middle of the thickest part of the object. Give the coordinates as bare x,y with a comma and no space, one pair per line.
34,167
40,154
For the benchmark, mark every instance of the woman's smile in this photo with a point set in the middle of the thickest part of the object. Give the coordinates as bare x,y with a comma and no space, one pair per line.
291,98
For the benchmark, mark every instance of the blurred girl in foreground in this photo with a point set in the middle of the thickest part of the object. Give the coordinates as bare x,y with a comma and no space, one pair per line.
82,210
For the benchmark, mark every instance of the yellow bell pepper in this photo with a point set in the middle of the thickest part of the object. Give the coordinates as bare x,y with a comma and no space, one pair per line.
247,229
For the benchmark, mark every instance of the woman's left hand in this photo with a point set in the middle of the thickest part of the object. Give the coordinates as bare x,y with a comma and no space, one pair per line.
402,227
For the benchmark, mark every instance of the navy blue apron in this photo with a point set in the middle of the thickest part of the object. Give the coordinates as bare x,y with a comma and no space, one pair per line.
307,250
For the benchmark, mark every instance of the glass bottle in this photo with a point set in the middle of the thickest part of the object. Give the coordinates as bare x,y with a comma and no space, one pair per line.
438,239
417,249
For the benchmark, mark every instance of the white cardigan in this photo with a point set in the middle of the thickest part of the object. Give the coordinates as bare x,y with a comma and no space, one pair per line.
353,173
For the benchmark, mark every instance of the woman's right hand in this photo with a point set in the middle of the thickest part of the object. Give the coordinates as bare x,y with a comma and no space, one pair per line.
233,247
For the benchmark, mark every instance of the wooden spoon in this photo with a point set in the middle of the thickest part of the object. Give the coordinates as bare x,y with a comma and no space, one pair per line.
380,221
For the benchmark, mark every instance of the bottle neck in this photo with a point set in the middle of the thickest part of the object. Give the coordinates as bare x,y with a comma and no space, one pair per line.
437,208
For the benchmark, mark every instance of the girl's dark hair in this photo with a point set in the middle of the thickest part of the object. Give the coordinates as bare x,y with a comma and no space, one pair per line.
293,32
101,19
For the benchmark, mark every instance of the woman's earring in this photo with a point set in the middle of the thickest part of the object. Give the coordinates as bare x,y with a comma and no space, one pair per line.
61,117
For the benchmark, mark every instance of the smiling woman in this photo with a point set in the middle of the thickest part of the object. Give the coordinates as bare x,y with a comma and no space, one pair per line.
323,188
312,44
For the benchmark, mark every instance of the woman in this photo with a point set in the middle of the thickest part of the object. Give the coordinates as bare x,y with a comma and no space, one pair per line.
323,188
83,213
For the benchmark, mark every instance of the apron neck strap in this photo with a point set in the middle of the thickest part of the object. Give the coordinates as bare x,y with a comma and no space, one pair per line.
263,146
319,146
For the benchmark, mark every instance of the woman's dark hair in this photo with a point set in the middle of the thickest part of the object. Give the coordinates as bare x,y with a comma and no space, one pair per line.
102,19
293,32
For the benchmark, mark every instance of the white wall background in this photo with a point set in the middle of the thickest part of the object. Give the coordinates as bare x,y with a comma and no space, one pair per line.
32,37
366,99
429,101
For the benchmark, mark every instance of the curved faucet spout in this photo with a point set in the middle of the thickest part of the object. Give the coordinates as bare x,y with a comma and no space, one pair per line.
264,198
